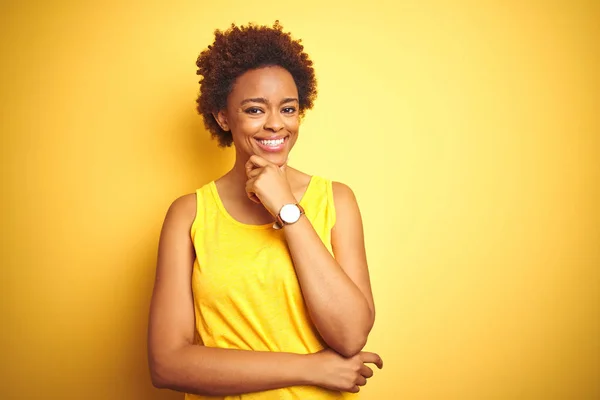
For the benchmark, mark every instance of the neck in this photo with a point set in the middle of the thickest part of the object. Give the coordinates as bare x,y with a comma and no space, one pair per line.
237,174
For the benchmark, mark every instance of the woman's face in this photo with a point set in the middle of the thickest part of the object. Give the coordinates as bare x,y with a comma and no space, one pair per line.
262,114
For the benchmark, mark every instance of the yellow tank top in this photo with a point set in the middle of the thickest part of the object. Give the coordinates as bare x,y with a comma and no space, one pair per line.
246,293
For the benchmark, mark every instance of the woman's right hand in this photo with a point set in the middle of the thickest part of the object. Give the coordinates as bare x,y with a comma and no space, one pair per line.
332,371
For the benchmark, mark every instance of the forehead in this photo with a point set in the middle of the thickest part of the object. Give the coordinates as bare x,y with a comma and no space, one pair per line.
267,82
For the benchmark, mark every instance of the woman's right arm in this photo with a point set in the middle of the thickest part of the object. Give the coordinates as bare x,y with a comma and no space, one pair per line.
179,364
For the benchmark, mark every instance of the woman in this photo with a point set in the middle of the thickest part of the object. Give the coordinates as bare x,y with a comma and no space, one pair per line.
262,288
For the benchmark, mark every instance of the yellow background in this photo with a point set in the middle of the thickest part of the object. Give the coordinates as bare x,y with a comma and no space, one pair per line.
470,132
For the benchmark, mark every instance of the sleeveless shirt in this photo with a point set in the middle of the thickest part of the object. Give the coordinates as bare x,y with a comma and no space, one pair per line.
245,289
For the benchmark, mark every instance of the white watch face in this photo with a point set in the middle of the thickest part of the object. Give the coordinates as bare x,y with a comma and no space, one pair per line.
290,213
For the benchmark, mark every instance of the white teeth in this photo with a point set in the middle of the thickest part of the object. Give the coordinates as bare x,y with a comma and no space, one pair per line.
272,143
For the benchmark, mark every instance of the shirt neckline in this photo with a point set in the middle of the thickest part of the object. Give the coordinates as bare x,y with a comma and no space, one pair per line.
221,206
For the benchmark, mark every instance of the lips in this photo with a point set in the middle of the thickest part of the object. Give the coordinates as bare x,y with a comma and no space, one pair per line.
273,144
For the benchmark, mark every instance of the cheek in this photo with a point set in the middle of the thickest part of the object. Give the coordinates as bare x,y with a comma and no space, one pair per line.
293,124
249,126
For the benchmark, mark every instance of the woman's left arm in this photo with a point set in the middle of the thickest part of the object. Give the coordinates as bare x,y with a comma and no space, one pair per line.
337,291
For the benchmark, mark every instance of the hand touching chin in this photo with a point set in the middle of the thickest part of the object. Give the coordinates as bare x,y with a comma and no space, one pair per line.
267,184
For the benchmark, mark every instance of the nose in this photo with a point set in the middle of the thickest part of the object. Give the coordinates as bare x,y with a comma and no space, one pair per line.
274,122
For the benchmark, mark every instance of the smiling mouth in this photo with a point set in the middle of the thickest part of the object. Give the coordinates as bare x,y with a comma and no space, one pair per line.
272,145
272,142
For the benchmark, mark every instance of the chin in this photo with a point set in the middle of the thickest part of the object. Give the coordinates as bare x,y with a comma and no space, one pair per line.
277,159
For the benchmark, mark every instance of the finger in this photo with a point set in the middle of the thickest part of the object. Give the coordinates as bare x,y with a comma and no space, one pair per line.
250,184
355,389
249,167
254,198
250,191
361,381
366,371
254,172
255,162
374,358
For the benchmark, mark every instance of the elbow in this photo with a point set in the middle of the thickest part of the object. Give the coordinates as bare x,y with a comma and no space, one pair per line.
159,384
350,345
158,380
348,340
351,341
353,347
159,374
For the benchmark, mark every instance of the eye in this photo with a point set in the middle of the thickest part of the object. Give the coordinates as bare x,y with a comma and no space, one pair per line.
253,110
289,110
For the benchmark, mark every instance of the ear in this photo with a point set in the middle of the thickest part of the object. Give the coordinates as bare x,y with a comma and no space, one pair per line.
221,119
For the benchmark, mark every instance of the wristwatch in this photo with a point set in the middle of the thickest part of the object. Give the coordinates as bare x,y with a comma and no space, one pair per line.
289,214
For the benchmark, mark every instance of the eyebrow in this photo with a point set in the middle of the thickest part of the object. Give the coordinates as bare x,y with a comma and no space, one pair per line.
265,101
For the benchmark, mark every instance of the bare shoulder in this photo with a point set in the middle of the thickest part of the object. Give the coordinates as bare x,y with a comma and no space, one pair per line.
342,194
187,201
346,207
175,245
183,209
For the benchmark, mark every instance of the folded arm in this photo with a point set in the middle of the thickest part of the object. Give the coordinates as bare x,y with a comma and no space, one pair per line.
337,288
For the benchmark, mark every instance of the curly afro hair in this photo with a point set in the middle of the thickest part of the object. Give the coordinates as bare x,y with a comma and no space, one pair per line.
244,48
